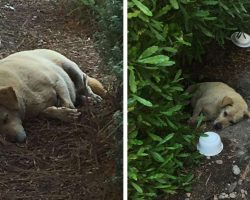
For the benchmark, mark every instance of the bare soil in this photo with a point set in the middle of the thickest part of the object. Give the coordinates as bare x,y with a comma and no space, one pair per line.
59,160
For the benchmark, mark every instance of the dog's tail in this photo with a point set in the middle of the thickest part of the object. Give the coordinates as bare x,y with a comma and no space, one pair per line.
96,86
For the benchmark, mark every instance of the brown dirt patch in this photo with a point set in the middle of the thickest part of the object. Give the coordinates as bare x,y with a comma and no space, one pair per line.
213,179
59,161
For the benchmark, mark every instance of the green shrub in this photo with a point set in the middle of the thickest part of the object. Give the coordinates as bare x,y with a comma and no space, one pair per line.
163,34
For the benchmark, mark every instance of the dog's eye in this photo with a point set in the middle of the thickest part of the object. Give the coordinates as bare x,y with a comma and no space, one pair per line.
5,119
225,114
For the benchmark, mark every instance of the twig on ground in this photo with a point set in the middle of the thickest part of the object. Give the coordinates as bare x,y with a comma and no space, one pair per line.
208,178
244,174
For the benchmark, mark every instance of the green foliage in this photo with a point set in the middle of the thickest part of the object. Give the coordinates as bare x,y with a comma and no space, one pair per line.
108,15
161,35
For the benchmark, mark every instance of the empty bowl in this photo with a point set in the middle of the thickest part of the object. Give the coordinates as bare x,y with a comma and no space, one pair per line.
210,145
241,39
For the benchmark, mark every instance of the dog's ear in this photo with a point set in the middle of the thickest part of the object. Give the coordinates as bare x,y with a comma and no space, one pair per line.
226,101
8,98
247,114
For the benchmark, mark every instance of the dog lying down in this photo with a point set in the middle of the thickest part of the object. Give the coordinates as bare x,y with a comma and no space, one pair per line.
219,103
41,83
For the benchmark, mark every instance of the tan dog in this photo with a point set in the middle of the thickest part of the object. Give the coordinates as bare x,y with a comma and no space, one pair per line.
40,82
218,102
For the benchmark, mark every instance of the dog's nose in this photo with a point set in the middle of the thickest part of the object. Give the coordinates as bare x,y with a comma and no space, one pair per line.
218,126
21,137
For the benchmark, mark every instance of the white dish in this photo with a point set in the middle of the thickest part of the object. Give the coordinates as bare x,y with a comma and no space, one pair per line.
241,39
210,145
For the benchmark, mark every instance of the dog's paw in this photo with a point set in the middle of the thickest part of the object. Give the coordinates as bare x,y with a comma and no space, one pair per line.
93,99
68,115
97,98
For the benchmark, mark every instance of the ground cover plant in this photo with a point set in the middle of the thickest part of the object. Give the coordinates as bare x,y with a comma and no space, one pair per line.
162,37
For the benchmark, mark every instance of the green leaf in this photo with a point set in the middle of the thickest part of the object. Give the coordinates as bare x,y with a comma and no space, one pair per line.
157,157
206,31
204,135
143,101
155,137
167,64
137,187
177,88
202,13
155,87
169,157
167,138
242,7
224,6
157,60
171,176
149,52
184,155
210,3
143,8
174,4
133,14
132,175
177,76
163,187
172,110
188,138
157,34
141,152
156,176
175,146
210,18
163,11
200,120
171,49
132,83
171,124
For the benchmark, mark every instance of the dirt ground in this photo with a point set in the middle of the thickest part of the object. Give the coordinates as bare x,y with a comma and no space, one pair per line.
59,160
214,176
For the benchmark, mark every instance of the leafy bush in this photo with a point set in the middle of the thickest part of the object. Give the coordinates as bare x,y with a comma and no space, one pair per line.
163,34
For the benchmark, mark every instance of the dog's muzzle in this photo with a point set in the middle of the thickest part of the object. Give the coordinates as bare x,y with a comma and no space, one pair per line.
20,137
218,126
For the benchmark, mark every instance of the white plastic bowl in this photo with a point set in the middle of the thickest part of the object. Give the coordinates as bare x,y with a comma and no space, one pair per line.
242,41
210,145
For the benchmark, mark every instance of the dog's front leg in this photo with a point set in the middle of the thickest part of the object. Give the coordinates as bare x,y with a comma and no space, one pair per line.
61,113
197,110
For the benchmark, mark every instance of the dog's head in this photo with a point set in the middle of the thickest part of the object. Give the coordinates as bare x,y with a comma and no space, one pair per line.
230,113
10,121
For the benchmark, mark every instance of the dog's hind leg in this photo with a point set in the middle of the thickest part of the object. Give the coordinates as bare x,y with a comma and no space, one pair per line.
196,112
80,80
63,94
76,75
61,113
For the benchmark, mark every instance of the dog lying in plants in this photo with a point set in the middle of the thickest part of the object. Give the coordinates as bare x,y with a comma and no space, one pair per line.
219,103
41,83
